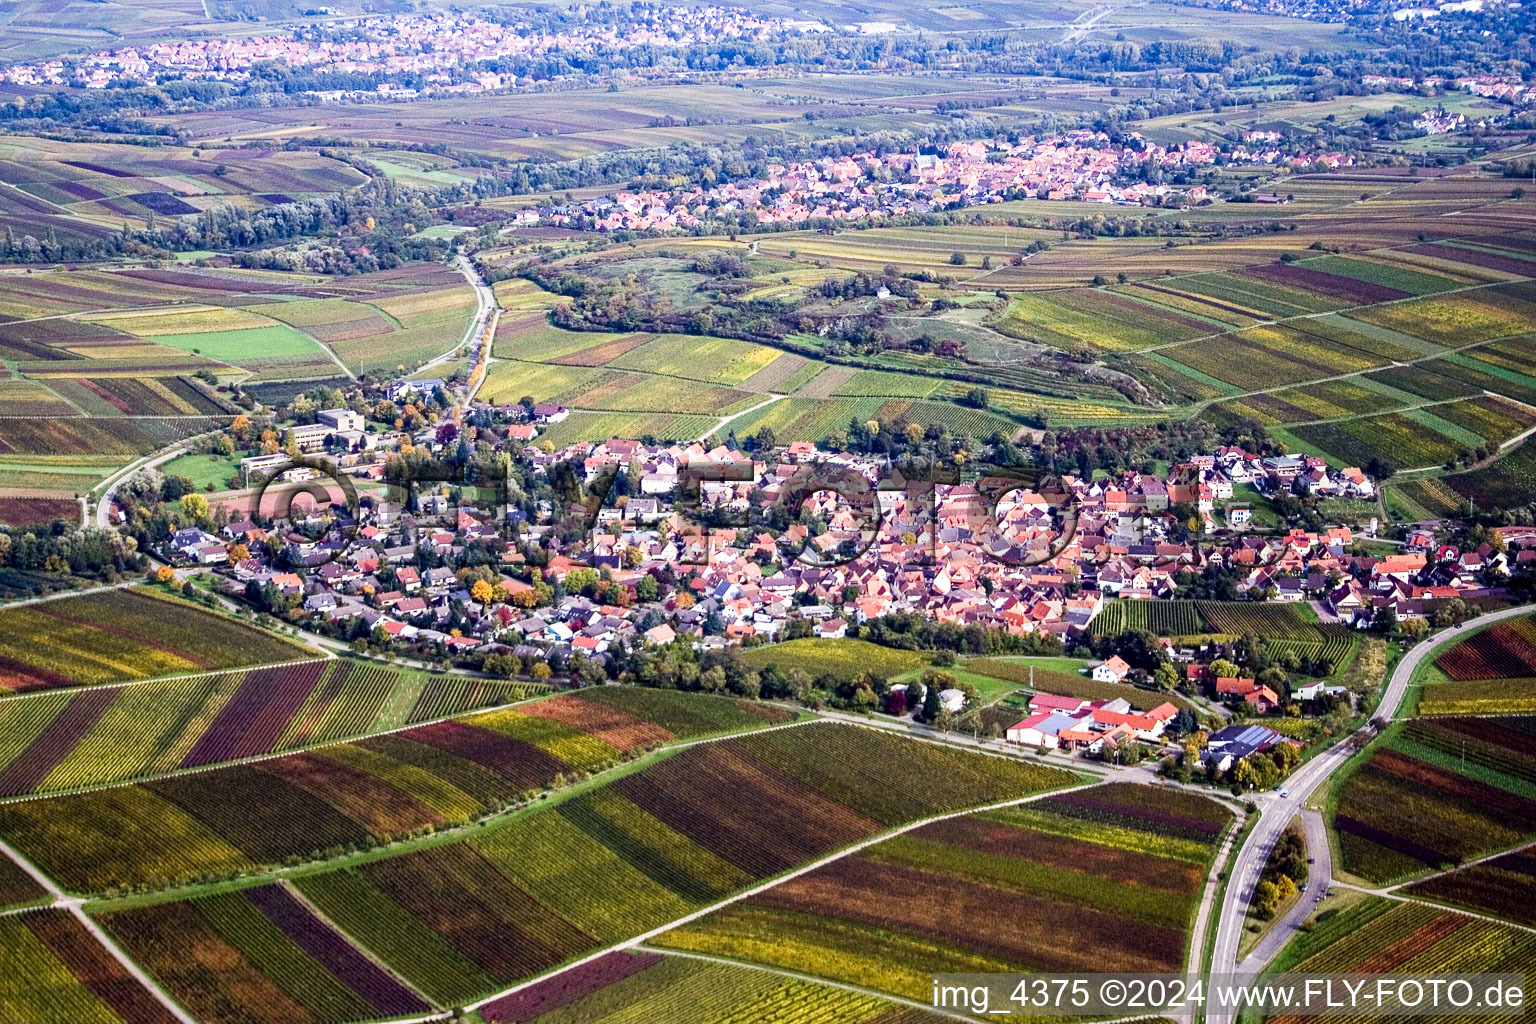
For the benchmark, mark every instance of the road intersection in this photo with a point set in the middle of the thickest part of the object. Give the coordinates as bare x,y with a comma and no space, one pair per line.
1278,810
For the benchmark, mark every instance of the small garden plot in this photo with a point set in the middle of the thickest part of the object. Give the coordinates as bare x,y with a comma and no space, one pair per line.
1113,875
716,360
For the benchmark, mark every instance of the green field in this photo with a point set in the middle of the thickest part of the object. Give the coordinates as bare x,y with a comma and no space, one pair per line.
236,346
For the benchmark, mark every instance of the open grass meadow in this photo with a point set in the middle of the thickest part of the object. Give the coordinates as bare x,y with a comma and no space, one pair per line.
1105,878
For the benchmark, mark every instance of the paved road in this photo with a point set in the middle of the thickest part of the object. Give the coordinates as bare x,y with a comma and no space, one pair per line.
1318,874
1278,810
104,504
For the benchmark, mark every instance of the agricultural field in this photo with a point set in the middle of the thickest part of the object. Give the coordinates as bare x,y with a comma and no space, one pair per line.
1375,935
1263,357
636,986
1097,320
1503,887
1275,622
645,849
1420,804
155,324
1509,481
843,658
1459,319
38,511
1164,618
713,360
97,440
108,734
344,795
1419,438
52,969
1504,650
90,188
1101,879
1480,697
17,888
258,956
117,635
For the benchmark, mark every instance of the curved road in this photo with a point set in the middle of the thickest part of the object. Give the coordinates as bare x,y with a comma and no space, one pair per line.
1278,811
